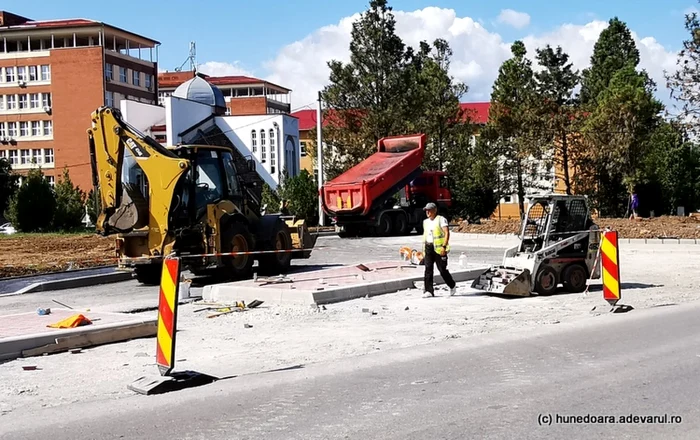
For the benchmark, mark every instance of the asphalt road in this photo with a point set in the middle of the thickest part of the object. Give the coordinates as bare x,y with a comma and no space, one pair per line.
9,285
645,362
329,252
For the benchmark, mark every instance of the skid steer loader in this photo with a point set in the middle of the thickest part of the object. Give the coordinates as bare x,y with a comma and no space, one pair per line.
558,245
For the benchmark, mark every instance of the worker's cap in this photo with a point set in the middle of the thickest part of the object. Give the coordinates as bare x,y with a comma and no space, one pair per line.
430,206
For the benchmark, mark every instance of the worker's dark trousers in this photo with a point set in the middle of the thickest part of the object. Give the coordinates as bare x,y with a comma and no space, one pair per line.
432,257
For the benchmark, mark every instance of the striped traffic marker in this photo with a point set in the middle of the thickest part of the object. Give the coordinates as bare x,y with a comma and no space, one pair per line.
167,315
610,258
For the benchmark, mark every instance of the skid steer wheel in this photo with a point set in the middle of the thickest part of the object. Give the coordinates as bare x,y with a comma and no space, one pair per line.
237,238
574,278
276,264
148,274
546,281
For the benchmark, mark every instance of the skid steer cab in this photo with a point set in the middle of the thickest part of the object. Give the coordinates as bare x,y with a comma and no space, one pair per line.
194,201
558,246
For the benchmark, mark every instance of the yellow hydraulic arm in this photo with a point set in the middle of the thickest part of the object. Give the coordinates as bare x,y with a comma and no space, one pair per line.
108,138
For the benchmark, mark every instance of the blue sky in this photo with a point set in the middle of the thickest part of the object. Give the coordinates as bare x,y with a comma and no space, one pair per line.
253,33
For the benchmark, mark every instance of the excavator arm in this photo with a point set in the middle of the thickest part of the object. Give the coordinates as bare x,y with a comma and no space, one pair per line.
124,208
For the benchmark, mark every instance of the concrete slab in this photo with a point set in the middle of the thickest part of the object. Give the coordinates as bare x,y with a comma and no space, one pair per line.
27,334
331,285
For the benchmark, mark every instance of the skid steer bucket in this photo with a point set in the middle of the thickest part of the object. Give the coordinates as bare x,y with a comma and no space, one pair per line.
301,237
504,281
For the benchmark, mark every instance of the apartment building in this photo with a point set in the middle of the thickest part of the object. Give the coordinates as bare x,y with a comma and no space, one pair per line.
53,75
244,96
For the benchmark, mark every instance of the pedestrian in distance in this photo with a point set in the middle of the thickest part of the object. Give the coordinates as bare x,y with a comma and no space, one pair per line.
634,204
436,239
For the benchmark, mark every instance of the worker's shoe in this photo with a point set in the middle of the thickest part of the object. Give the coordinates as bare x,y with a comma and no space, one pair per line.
452,291
428,295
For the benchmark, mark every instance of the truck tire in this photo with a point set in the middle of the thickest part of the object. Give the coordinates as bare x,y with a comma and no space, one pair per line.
148,274
546,281
574,278
237,238
385,226
401,225
276,264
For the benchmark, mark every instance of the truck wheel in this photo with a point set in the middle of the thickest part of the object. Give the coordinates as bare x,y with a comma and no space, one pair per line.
275,264
574,278
149,274
385,227
237,238
546,281
401,225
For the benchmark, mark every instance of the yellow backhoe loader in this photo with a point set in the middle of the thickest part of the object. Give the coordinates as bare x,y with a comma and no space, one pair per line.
194,201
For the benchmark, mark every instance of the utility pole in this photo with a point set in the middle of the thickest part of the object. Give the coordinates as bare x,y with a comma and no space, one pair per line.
319,158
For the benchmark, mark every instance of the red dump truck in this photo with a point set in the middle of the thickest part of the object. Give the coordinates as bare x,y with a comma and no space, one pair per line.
385,194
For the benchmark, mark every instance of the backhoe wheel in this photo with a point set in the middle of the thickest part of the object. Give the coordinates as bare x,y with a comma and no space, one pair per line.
278,263
401,225
546,281
148,274
385,227
574,278
237,238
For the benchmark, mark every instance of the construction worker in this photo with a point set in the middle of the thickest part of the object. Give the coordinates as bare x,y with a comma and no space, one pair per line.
436,238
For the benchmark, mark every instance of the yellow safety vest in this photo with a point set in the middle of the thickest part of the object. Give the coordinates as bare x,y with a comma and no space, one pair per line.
438,236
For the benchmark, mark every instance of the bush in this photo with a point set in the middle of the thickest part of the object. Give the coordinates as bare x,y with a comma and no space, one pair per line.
94,205
302,193
8,184
33,206
270,198
70,204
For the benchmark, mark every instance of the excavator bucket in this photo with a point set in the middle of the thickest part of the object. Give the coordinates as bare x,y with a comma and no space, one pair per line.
301,237
505,281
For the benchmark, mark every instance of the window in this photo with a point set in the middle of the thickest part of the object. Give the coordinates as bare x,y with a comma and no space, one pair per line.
10,74
24,128
12,129
46,72
11,102
48,129
36,128
3,154
109,74
263,150
51,180
48,155
302,148
122,74
2,102
149,81
23,101
33,76
254,141
46,99
210,185
3,130
272,151
25,157
13,157
136,78
234,188
34,100
37,156
109,99
21,73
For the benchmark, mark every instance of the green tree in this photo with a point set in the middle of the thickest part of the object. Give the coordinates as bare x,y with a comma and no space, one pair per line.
510,124
70,204
33,205
94,205
614,50
302,193
8,184
558,112
684,82
270,198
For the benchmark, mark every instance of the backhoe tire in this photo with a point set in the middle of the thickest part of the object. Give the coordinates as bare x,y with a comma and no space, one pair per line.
237,238
574,278
401,225
148,274
546,281
276,264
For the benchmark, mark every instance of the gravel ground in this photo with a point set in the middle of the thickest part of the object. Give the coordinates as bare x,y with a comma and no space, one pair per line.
280,336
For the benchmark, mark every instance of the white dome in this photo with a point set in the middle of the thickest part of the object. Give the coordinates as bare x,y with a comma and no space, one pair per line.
198,89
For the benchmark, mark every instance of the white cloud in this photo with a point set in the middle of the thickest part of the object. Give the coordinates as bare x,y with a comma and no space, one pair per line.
514,18
478,52
217,68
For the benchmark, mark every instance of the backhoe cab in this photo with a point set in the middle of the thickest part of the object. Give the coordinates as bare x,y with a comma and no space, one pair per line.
184,200
558,245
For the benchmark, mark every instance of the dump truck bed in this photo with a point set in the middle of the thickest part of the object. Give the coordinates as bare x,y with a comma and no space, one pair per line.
354,192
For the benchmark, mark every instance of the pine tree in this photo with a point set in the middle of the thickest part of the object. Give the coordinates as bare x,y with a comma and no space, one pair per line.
70,204
8,184
33,205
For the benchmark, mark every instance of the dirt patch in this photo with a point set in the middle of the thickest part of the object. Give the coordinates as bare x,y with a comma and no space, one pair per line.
33,254
658,227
